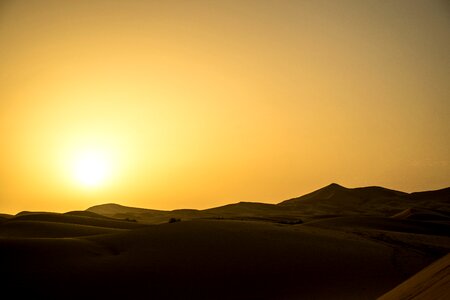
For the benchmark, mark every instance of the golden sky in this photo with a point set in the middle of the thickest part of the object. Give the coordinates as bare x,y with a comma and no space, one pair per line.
195,104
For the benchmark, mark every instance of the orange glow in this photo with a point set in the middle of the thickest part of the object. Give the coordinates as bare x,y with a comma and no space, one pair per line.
195,104
91,168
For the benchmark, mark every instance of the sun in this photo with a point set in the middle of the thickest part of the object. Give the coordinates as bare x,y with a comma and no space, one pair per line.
91,168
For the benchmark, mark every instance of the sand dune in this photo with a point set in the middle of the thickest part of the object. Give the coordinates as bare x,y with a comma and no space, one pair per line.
236,210
347,248
374,201
336,192
422,215
431,283
211,259
5,216
331,201
386,224
50,229
112,209
85,213
75,219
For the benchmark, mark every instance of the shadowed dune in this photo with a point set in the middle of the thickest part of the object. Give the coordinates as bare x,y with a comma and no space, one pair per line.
5,216
431,195
50,229
85,213
426,237
40,225
211,259
245,208
347,248
386,224
242,210
112,209
61,225
422,215
75,219
331,201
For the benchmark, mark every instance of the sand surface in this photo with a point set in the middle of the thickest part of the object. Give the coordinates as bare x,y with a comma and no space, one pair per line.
431,283
238,251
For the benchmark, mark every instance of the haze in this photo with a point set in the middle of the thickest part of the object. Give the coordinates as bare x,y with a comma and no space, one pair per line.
201,103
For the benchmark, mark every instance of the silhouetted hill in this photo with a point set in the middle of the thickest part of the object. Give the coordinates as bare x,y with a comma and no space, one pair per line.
377,201
145,215
331,201
112,209
430,195
437,200
245,208
334,192
85,213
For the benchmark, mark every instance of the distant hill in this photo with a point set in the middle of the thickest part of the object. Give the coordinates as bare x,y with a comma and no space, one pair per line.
153,216
111,209
349,197
243,207
333,200
85,213
373,200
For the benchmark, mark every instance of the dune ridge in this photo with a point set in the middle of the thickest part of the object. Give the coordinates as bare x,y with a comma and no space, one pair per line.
332,200
334,237
433,282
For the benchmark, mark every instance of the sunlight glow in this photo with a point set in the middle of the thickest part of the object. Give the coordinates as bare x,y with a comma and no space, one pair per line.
91,168
193,104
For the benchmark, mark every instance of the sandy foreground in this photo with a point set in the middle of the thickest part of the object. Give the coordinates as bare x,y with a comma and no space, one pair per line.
259,254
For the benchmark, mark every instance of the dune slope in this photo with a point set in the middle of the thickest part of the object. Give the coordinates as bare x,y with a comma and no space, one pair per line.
210,259
334,243
431,283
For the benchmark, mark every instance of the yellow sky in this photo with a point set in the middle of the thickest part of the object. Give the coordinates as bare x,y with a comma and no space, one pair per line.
195,104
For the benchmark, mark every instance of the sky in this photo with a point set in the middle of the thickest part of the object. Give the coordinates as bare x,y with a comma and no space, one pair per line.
196,104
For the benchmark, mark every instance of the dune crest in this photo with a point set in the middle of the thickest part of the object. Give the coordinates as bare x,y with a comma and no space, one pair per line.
433,282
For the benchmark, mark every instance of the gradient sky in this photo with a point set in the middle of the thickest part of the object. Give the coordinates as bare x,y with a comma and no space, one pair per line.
202,103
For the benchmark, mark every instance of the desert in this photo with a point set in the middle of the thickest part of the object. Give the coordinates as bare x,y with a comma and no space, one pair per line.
329,244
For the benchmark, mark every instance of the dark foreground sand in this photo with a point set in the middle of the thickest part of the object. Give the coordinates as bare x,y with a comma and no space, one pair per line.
250,251
207,259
